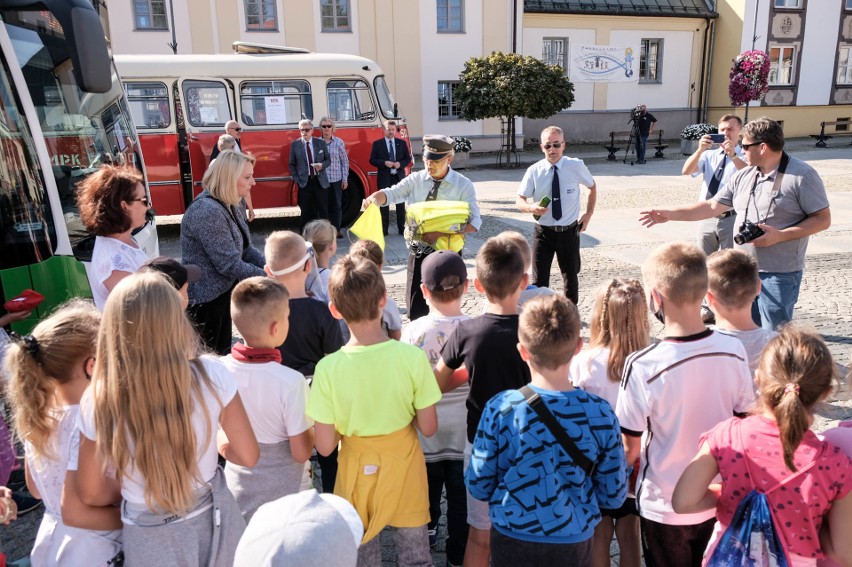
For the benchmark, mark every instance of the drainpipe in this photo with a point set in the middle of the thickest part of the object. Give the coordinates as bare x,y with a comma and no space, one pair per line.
703,71
709,69
514,26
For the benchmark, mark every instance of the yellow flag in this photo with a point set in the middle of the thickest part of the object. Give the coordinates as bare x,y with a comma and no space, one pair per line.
369,226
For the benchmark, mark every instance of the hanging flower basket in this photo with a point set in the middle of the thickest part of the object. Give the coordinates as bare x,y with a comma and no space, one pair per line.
749,77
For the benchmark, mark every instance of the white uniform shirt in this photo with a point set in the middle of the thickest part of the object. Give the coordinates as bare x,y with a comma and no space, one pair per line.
709,162
538,181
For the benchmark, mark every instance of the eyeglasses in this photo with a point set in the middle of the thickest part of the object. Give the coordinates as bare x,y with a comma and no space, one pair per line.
236,129
305,129
327,126
143,200
747,146
556,145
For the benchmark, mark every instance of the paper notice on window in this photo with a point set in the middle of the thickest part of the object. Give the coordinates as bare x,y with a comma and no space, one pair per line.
276,110
210,115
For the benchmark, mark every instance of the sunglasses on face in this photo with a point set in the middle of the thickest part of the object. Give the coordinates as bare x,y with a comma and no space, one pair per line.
327,126
747,146
143,200
556,145
305,129
236,129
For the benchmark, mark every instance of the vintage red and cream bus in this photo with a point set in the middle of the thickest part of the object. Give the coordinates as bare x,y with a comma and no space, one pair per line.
180,104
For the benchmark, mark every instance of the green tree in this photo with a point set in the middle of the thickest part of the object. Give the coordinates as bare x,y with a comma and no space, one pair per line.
509,85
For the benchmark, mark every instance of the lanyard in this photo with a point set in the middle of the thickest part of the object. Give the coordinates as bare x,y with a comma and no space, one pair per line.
776,189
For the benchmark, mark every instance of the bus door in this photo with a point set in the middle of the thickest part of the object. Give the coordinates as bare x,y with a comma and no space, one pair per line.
151,110
206,107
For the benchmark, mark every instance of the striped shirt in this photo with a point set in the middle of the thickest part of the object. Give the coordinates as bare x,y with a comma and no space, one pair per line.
339,167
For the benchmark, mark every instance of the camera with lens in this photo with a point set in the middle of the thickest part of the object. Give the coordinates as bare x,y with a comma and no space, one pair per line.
748,232
636,113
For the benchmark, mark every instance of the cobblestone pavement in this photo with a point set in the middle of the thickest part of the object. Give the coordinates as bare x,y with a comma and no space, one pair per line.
614,246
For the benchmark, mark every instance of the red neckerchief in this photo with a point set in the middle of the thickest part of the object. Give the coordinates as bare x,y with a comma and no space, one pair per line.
245,353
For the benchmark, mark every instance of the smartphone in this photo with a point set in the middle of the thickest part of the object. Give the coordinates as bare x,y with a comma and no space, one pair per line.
543,203
717,138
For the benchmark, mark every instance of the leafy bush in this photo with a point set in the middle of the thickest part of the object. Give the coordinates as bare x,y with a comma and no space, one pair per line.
696,131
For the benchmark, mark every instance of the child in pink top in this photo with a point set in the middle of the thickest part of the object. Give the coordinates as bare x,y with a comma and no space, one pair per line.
841,437
795,372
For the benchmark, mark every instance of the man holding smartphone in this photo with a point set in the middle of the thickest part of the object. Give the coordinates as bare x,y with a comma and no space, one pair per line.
559,224
717,166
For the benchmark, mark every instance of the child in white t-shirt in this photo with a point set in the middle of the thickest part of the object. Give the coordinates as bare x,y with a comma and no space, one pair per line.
619,327
274,397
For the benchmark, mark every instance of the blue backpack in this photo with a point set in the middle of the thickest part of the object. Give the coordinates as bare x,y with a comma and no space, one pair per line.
752,540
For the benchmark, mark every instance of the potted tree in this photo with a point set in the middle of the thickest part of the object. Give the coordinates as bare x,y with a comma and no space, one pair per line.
462,158
690,135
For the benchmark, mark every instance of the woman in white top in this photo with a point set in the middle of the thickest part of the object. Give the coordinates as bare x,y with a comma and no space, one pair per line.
151,415
48,372
113,204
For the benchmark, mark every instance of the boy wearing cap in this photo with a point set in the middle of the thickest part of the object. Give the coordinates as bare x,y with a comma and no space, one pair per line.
180,275
437,182
444,284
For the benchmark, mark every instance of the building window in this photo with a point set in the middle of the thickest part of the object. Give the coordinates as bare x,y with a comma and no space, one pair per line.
150,14
554,51
334,16
447,107
789,3
261,15
849,4
844,65
651,61
781,60
451,16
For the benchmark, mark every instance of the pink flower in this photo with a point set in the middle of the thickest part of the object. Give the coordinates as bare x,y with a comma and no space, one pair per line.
749,77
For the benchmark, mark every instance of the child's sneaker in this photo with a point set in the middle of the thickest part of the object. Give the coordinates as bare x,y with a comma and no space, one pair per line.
433,536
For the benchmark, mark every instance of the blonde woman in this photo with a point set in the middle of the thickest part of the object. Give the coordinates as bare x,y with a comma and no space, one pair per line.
48,372
151,415
228,142
215,236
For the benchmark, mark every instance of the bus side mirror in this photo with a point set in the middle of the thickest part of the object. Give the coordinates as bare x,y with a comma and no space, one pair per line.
91,64
395,110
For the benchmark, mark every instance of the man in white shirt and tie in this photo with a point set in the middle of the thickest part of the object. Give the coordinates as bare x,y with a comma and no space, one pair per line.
717,167
559,224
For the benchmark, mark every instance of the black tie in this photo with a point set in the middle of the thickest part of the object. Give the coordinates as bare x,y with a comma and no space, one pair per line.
311,171
713,187
556,210
391,151
433,193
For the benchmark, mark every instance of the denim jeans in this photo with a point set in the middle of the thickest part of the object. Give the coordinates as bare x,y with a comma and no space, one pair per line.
779,293
641,143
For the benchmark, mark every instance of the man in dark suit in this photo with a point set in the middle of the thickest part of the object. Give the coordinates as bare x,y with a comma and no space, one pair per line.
232,129
390,156
309,159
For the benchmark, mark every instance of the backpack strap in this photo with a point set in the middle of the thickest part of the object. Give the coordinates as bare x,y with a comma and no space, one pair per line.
787,480
537,404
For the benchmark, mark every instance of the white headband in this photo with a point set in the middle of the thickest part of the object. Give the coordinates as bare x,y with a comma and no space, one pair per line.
284,271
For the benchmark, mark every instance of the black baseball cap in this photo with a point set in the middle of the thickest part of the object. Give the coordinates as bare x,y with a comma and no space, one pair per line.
443,270
179,274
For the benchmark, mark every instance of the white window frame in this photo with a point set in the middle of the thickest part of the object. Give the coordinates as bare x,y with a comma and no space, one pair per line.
335,17
550,54
260,15
844,68
444,9
788,4
779,74
149,16
450,104
645,63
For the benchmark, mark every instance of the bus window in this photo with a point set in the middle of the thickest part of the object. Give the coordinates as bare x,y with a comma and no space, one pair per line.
149,104
275,102
26,222
385,98
206,103
349,100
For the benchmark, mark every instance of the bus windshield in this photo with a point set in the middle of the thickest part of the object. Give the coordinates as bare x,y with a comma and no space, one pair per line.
82,130
385,98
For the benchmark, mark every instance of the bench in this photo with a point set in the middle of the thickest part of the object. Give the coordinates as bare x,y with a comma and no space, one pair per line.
612,148
844,130
660,146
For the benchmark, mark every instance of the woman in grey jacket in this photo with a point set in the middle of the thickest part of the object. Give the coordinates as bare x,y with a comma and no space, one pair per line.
214,235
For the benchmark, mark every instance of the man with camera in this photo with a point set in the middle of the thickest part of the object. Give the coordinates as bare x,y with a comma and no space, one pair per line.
779,202
644,123
716,168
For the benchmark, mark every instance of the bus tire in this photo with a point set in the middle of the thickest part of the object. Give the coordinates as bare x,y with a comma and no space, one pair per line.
352,199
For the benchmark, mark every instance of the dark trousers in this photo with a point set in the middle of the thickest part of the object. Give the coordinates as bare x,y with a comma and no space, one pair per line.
400,209
566,246
510,552
414,300
449,474
674,546
328,471
213,322
313,202
335,198
641,143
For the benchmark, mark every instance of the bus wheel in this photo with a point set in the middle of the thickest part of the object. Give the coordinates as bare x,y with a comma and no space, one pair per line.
353,197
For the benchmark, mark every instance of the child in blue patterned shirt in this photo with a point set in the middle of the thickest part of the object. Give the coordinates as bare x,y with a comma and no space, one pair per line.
543,506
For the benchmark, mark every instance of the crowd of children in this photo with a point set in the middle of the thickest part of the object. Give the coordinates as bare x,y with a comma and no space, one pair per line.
541,448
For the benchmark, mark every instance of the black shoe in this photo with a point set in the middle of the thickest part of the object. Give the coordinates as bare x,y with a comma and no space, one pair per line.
25,502
433,536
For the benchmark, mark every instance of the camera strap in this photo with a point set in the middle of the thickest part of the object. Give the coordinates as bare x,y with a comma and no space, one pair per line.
776,188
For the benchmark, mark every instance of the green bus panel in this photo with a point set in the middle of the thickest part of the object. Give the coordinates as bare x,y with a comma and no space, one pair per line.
58,279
